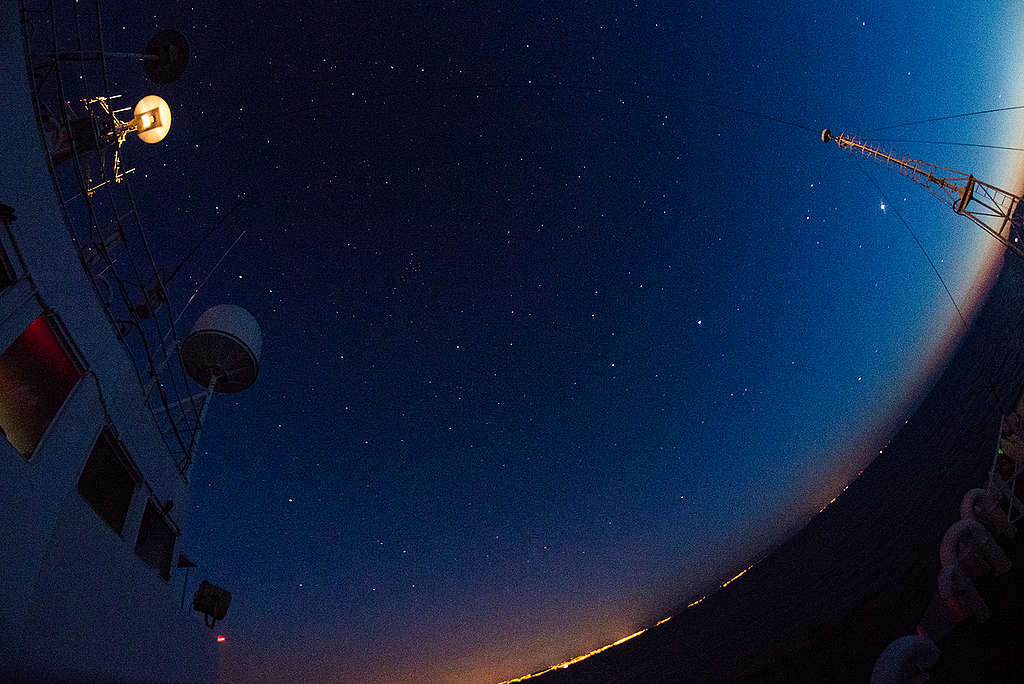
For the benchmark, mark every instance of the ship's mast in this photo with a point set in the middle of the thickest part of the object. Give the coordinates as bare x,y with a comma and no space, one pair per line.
990,207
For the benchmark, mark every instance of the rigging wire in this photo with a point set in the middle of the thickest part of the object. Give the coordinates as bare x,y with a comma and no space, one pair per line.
943,118
198,243
318,105
935,270
596,90
633,92
208,275
949,142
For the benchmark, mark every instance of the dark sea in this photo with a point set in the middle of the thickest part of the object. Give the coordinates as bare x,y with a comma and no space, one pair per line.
824,605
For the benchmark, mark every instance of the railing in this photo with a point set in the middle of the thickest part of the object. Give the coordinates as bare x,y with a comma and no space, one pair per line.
1002,476
67,66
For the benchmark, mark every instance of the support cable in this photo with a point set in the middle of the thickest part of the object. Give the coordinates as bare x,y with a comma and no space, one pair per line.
596,90
949,142
633,92
943,118
935,270
317,105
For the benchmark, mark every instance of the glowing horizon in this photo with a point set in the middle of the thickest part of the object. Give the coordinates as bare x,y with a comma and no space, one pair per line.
986,263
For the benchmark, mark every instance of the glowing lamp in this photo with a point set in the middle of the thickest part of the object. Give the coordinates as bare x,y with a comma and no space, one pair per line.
221,639
152,119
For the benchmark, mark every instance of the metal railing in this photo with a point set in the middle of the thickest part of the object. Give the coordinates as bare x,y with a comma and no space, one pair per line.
1007,466
67,66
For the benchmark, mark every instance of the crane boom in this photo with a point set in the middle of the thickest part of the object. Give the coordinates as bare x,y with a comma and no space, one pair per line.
990,207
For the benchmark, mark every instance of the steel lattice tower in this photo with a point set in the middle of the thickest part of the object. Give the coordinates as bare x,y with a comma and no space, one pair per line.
990,207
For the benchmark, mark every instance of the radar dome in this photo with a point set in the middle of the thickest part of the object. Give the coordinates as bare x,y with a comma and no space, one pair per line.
224,347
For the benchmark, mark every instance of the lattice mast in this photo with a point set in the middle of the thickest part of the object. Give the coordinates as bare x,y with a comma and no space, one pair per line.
990,207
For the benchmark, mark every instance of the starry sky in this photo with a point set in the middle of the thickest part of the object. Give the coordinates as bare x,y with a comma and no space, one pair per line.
549,346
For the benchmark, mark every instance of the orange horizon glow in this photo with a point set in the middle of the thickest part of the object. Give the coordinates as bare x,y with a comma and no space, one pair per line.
572,661
986,264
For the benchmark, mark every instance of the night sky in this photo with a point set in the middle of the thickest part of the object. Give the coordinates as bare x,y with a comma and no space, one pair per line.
549,347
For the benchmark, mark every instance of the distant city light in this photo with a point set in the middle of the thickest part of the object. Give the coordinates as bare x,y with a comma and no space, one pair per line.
728,582
573,661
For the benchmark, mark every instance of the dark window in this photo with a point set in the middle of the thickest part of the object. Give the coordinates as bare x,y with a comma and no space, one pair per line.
107,481
155,544
6,272
36,376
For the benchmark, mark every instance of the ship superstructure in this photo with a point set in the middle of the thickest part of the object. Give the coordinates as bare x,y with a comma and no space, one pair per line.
98,423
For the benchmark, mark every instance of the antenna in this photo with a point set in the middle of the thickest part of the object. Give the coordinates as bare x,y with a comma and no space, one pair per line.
965,194
164,60
222,353
83,126
166,57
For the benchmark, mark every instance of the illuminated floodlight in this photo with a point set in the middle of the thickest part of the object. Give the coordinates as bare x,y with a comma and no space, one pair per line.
105,127
152,119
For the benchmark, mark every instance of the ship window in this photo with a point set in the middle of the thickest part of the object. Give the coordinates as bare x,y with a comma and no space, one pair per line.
36,376
6,272
155,544
108,481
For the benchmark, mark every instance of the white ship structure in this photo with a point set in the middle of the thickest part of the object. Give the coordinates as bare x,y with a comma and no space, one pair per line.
101,402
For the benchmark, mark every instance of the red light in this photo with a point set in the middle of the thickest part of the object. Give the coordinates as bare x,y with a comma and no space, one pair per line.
221,638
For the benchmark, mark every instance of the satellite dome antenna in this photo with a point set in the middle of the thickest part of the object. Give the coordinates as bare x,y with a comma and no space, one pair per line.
221,353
